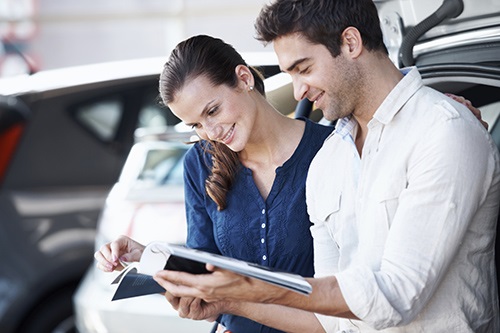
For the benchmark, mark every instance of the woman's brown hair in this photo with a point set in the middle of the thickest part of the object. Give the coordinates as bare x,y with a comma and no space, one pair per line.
215,60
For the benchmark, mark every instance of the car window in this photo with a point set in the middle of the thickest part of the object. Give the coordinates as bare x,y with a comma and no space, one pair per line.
107,116
153,113
163,166
176,175
101,117
490,113
151,116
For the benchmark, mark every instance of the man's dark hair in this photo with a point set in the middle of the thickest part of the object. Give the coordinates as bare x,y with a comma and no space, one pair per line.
321,22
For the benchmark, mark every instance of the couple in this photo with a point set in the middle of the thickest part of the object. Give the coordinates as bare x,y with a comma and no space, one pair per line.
402,197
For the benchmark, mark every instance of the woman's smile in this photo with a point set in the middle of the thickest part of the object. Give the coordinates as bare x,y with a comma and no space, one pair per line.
229,136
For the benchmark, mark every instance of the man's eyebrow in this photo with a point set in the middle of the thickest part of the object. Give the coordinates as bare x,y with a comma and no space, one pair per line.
205,109
296,63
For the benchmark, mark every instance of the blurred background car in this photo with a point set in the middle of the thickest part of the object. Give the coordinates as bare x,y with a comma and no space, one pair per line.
459,56
147,203
64,137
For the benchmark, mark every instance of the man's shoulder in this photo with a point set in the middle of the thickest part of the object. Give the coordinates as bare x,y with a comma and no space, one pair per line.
430,106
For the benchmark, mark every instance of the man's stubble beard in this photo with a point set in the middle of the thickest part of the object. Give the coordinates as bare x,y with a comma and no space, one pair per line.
343,103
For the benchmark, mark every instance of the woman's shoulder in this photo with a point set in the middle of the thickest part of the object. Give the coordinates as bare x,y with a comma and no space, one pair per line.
312,139
315,129
197,154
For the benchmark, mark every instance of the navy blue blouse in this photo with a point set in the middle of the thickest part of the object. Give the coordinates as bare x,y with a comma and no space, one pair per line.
273,232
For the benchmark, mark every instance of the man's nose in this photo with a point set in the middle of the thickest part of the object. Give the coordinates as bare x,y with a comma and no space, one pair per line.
299,89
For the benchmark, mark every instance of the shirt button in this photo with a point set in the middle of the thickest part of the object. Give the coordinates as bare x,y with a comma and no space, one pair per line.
263,225
262,240
264,257
263,211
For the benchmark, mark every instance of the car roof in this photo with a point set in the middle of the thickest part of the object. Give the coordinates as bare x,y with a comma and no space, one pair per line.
49,80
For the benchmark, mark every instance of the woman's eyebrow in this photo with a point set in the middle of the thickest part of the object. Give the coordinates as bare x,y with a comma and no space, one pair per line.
203,111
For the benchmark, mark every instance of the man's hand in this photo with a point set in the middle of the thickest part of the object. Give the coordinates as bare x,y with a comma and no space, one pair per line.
221,285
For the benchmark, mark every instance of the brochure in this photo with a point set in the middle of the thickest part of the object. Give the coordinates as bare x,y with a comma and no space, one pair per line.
137,279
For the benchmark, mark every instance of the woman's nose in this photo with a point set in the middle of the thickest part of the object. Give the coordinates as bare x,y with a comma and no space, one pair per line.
212,131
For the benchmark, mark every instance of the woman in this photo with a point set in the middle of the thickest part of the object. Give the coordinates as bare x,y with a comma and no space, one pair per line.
245,180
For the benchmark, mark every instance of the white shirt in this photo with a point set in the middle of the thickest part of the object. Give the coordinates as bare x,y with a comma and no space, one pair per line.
409,228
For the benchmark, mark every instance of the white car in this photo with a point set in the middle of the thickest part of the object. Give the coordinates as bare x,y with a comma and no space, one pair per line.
147,204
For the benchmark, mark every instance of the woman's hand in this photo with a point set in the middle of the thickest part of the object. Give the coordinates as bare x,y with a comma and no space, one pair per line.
194,308
471,107
123,249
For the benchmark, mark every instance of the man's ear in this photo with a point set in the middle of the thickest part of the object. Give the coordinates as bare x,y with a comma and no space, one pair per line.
245,76
352,43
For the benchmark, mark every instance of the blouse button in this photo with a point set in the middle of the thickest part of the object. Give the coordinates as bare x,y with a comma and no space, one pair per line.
264,257
262,240
263,211
263,225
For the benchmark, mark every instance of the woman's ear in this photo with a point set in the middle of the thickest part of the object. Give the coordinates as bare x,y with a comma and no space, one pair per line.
352,43
245,77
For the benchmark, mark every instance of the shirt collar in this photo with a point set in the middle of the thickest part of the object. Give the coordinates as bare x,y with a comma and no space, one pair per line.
411,82
409,85
346,128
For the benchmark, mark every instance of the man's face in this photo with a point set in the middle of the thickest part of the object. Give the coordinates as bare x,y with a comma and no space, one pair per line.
318,76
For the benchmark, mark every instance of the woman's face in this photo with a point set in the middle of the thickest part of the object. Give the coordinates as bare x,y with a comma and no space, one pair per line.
218,113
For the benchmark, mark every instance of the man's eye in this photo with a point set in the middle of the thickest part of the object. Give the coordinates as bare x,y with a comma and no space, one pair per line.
304,71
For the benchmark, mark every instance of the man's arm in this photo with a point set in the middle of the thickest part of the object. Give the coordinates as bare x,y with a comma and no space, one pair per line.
280,317
325,298
271,315
285,318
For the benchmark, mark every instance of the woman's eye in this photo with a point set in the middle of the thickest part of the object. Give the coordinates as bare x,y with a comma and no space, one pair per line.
212,110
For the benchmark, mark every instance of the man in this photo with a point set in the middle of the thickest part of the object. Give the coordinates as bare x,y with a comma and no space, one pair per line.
403,196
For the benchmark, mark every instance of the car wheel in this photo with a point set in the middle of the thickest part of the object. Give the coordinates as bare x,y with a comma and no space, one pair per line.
53,315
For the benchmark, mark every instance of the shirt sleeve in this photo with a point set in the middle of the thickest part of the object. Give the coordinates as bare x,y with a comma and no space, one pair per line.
326,251
448,178
326,254
200,233
330,324
326,258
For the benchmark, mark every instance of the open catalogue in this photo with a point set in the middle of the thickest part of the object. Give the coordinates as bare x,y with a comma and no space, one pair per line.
137,279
